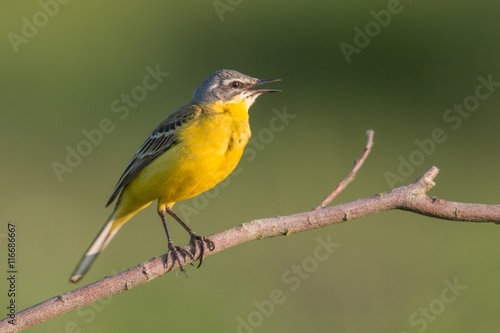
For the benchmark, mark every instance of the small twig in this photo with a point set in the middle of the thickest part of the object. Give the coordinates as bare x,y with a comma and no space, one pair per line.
357,165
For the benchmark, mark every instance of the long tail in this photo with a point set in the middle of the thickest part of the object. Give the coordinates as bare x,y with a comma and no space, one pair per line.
101,241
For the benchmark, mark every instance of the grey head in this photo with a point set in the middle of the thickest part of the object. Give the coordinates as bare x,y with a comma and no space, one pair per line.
228,85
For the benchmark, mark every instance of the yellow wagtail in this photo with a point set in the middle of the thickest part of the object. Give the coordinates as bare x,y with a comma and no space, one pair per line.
189,152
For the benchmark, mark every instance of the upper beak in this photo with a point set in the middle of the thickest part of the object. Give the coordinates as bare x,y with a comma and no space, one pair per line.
262,81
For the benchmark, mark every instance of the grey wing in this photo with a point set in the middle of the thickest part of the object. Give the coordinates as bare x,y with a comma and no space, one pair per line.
163,137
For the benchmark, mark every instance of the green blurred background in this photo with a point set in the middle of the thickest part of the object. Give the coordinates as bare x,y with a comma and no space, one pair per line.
388,266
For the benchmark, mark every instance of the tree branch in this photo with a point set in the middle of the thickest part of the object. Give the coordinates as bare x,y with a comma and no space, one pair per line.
410,198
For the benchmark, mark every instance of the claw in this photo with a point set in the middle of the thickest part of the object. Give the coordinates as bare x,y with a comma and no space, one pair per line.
201,242
175,253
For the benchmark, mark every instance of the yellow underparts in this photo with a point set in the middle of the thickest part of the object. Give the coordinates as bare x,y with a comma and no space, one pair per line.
209,148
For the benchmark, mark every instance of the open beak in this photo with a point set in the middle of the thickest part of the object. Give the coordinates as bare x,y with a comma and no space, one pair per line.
262,81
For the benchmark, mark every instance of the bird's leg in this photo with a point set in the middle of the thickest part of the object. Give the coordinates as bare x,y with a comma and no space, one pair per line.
202,241
171,247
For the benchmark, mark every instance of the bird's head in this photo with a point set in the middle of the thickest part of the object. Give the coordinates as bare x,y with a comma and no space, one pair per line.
229,86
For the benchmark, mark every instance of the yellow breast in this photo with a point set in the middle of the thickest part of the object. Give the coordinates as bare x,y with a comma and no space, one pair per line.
209,148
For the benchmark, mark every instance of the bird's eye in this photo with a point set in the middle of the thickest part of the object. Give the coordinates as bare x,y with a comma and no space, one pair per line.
236,84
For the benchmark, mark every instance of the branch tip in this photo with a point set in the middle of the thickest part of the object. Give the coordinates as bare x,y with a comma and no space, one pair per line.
427,179
370,133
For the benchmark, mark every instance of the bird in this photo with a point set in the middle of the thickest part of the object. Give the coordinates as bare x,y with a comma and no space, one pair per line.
189,152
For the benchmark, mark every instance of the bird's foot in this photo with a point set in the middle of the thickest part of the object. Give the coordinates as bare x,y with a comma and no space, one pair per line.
202,243
176,250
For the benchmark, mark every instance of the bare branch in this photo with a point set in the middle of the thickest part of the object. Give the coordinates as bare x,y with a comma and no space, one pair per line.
357,165
411,198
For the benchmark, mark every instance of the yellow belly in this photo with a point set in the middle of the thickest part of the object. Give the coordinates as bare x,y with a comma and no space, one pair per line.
207,151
